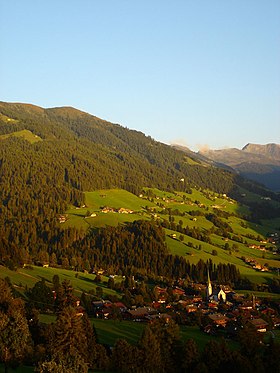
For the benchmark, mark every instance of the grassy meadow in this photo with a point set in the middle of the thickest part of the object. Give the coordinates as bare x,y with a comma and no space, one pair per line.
25,134
155,204
81,282
109,331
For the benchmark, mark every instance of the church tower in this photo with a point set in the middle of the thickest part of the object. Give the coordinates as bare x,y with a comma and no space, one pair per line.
209,287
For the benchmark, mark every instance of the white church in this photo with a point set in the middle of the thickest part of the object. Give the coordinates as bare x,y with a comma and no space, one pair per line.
216,295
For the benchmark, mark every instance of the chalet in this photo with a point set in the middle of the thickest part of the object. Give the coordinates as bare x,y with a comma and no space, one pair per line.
178,291
212,305
163,316
109,309
198,287
246,305
125,211
120,306
276,322
97,305
259,324
62,218
106,209
218,319
140,314
80,311
191,308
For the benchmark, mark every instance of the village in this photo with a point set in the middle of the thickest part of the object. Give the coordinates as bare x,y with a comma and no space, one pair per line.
215,309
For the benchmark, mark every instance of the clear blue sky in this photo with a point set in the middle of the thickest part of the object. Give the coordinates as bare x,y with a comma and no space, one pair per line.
198,72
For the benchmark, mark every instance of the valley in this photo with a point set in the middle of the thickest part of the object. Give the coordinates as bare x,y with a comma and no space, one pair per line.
132,243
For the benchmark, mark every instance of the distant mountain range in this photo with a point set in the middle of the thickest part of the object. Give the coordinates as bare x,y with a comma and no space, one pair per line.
260,163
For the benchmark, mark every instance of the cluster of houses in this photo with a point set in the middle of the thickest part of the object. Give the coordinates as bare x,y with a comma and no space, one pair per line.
62,218
220,309
121,210
110,310
255,265
258,247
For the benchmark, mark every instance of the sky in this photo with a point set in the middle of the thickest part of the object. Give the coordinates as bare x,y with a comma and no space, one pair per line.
201,73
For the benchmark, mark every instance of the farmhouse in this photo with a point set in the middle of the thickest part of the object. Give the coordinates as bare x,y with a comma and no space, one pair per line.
140,314
62,218
259,324
122,210
218,319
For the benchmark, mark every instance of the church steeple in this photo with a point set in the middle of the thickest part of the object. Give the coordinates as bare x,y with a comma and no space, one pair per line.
209,286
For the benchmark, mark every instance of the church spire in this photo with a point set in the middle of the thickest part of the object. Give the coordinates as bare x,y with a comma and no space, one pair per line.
209,286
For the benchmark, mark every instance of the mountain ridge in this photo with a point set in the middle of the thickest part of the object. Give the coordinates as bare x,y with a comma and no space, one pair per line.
260,163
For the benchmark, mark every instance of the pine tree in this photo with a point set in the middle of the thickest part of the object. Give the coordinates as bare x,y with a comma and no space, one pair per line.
69,344
190,356
149,344
15,338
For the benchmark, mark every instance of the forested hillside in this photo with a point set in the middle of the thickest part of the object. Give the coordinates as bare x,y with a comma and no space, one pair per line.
67,152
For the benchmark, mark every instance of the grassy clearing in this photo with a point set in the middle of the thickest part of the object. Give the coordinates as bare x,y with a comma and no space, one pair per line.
109,331
28,277
25,134
6,119
115,198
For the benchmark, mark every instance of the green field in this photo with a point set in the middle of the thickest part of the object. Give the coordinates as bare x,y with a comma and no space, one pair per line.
112,198
25,134
109,331
116,198
155,204
28,277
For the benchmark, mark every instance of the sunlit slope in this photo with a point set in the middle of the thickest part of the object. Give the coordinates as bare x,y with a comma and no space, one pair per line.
111,207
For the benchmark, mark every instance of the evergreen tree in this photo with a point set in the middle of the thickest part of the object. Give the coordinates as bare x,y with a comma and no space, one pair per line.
15,339
150,346
69,343
126,358
190,356
41,296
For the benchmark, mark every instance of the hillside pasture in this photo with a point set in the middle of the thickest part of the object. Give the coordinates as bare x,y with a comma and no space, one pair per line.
111,198
25,134
157,204
115,198
100,220
81,282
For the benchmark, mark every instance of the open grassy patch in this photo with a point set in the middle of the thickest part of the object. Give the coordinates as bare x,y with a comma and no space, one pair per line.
81,282
25,134
115,198
109,331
